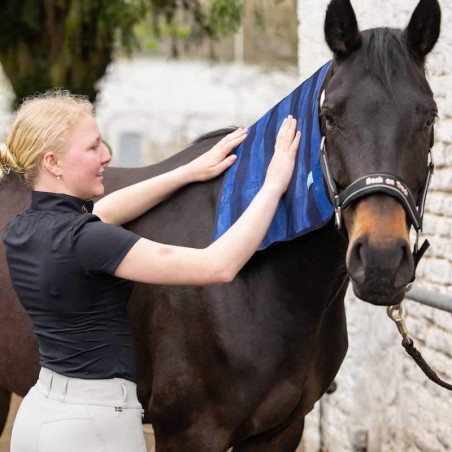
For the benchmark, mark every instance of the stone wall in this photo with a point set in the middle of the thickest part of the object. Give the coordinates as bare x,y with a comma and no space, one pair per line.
383,401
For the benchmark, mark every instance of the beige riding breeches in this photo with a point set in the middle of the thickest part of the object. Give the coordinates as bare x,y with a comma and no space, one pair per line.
63,414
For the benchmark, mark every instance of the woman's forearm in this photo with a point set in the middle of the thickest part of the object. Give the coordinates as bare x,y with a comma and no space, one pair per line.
157,263
235,247
128,203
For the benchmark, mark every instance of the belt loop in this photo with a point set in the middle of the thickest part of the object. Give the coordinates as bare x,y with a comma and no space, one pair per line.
66,380
50,384
124,394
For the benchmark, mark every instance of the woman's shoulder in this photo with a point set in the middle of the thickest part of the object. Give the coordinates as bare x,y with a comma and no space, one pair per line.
91,225
24,222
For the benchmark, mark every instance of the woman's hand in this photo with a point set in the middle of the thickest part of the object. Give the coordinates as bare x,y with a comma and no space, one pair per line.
216,160
281,167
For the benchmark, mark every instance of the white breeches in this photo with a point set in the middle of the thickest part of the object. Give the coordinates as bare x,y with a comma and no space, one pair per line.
63,414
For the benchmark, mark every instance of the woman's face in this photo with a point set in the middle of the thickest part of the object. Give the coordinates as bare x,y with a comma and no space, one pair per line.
83,162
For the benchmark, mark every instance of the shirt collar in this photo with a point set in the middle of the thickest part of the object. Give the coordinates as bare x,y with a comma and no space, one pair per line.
59,202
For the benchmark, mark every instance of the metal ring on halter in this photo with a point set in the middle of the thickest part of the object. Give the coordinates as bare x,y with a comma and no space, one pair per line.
338,217
395,313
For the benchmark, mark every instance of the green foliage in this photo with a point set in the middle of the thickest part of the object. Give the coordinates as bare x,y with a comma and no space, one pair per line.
69,43
223,17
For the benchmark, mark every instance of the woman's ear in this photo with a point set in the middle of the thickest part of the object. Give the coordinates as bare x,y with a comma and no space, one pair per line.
51,163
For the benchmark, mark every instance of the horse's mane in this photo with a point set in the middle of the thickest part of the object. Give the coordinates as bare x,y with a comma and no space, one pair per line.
215,133
385,51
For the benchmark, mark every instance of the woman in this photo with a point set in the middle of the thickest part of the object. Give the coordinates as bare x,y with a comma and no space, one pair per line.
71,266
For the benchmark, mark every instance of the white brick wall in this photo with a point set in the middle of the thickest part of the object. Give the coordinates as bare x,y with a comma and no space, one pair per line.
383,400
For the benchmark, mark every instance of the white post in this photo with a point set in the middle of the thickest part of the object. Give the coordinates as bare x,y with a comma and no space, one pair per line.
239,46
312,49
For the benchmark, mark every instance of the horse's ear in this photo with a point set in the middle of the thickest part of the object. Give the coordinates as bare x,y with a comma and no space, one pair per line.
341,28
423,30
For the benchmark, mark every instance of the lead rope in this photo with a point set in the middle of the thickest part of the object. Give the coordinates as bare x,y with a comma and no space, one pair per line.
395,313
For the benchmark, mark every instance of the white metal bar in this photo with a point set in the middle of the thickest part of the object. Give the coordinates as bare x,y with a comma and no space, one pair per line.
434,299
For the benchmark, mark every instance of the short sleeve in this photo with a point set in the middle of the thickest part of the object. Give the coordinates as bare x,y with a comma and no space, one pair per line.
101,246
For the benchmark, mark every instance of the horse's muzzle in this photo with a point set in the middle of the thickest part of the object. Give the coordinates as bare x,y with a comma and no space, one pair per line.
380,274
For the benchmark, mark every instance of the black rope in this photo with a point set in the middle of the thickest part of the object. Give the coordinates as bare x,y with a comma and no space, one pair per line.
420,361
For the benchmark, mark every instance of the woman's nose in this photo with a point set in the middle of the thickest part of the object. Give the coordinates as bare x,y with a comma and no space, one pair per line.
106,154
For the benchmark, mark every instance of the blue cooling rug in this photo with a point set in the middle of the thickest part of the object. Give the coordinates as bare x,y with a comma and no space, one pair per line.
305,207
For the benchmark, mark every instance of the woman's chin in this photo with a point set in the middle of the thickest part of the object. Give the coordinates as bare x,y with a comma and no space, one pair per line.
100,190
98,194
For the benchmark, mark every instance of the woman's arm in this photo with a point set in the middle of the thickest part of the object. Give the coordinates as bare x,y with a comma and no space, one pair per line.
152,262
139,198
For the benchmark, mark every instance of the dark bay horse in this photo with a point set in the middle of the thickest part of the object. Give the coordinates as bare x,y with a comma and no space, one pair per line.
240,365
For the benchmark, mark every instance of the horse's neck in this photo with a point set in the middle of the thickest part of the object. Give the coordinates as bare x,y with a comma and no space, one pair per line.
116,178
14,197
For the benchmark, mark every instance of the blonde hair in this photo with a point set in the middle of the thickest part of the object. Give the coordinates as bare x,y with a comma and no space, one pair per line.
40,126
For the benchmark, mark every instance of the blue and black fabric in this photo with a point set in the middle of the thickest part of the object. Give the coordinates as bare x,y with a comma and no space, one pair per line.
305,206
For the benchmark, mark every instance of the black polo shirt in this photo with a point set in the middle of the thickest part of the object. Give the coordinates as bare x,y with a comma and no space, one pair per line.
61,260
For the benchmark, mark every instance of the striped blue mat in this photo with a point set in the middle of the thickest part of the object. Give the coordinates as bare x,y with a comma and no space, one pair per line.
305,206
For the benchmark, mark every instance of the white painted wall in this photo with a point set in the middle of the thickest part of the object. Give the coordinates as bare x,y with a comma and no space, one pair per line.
384,402
172,102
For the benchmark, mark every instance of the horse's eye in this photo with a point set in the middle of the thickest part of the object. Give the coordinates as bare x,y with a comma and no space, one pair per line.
430,123
329,118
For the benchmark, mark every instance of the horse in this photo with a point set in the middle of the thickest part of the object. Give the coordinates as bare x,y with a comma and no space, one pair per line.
241,364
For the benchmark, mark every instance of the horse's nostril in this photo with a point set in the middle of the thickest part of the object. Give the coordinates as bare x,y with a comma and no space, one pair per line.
357,261
405,270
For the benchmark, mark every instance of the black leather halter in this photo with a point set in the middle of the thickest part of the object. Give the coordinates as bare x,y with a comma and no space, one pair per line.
381,182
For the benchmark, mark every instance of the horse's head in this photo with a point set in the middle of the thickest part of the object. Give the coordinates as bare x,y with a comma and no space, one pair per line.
378,116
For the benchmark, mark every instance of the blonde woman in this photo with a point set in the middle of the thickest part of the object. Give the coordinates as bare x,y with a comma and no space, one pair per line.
71,265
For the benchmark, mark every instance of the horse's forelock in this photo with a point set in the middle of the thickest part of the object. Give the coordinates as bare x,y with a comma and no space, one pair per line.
384,51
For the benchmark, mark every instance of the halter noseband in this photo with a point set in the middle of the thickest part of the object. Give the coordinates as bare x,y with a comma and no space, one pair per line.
383,182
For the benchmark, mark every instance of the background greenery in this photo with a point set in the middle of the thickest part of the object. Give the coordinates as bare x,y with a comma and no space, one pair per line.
47,43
